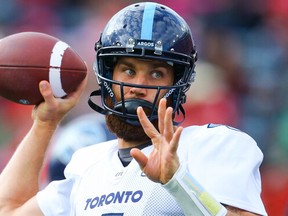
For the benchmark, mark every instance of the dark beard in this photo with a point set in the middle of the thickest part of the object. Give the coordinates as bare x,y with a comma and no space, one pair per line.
126,131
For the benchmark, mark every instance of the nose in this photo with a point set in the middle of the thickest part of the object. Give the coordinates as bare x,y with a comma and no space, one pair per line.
138,91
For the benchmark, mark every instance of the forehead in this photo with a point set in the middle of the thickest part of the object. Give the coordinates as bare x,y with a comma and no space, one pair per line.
142,61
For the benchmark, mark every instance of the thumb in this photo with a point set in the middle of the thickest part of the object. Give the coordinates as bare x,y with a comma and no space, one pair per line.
46,90
139,157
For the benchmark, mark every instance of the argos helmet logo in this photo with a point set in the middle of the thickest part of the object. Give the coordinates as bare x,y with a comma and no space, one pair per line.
143,43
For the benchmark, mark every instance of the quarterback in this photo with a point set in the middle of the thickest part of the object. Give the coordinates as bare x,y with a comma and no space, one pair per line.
145,61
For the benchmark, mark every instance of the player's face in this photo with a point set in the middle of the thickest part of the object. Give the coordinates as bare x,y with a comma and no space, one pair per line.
142,72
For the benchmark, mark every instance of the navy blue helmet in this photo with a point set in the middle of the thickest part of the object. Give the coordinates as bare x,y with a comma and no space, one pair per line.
144,30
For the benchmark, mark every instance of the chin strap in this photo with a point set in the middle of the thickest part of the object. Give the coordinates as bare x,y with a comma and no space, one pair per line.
180,110
94,106
133,106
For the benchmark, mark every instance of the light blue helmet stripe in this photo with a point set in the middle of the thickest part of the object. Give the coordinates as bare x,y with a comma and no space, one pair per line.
147,22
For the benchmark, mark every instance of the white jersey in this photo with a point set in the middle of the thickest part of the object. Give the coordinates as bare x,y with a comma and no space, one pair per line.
224,160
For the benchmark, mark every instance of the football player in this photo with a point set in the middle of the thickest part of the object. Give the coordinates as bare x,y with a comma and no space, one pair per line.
145,60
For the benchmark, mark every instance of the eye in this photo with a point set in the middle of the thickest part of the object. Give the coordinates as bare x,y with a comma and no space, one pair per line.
157,74
129,72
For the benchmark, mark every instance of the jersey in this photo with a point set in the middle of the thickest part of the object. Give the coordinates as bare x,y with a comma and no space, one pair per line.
224,160
82,131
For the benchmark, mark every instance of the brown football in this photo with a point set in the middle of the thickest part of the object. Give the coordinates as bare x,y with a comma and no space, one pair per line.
26,58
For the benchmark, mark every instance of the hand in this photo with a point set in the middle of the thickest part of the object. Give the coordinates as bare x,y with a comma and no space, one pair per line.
163,162
52,110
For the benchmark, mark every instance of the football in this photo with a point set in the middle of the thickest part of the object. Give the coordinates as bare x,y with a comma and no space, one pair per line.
26,58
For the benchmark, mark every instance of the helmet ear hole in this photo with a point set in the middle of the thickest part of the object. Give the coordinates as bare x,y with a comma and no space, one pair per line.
109,63
107,66
179,72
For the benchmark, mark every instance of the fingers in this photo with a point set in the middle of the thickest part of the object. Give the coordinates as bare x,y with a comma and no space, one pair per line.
54,109
147,126
170,132
175,140
165,123
168,124
73,97
165,120
161,114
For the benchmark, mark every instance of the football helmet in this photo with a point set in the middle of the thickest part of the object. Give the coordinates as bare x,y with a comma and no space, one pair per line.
151,31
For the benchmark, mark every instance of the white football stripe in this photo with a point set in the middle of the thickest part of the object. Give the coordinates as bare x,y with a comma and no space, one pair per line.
55,68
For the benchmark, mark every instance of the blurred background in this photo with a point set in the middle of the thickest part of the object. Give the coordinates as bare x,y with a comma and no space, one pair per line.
242,72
